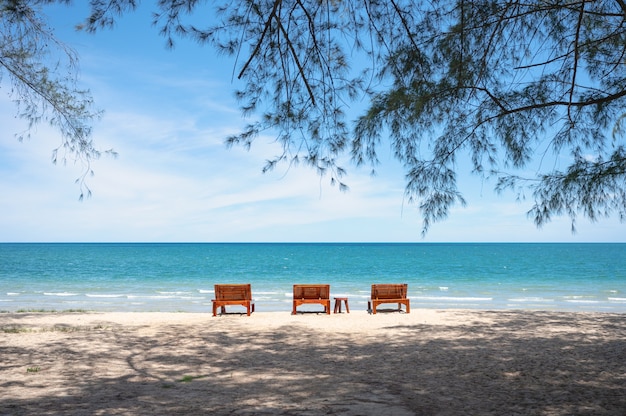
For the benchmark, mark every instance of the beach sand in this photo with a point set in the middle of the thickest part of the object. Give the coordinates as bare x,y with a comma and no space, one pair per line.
428,362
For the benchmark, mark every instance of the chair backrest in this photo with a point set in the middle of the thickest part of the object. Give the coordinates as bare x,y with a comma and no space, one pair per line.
311,291
233,292
389,291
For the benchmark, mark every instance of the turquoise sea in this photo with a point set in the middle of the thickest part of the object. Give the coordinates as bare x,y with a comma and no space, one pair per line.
180,277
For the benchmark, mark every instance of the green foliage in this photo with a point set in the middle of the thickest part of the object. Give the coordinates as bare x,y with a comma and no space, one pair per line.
51,311
41,71
595,187
495,86
188,379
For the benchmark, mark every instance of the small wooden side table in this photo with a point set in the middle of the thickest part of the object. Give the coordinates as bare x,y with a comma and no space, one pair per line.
338,305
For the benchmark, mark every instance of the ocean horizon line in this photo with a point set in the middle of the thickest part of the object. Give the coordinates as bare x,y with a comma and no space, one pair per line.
317,242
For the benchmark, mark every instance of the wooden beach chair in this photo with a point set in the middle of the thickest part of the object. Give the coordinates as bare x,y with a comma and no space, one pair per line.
307,294
239,294
389,293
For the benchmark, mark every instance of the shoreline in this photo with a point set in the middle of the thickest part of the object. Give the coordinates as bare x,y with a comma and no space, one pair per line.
355,321
428,362
313,310
356,304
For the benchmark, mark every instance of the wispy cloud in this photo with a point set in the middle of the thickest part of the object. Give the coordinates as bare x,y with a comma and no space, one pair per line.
167,114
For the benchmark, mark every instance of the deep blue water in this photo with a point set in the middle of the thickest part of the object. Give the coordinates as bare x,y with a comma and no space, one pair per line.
180,277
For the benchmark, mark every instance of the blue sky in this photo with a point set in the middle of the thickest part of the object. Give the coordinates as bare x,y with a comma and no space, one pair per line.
166,112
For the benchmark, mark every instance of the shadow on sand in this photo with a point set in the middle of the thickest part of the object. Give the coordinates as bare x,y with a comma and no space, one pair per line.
513,365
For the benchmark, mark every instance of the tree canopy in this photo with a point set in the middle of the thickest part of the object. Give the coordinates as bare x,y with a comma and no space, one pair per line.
530,95
42,76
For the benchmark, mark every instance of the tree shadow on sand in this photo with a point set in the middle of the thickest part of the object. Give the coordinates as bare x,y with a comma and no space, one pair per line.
513,364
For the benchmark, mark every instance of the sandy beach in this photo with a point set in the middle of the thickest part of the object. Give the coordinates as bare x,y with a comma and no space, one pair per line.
428,362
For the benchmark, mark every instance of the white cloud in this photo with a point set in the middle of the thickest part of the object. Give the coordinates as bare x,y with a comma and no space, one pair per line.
175,180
